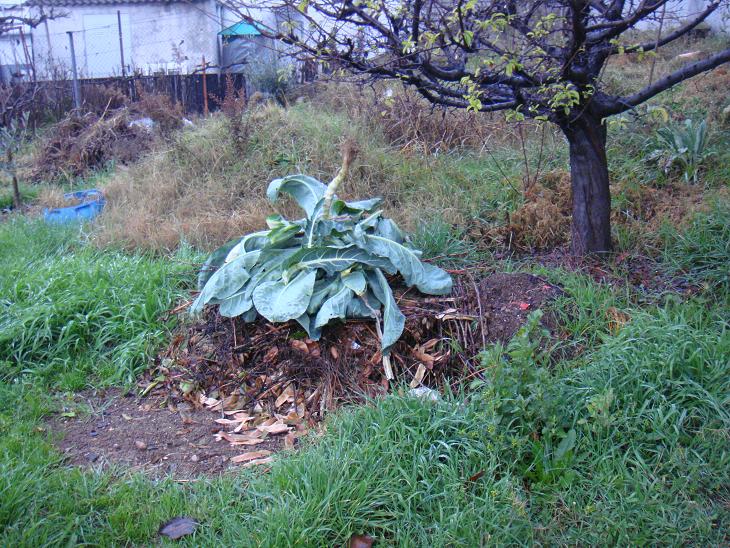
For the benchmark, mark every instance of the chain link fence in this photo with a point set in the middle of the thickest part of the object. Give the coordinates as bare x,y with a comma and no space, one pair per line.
51,73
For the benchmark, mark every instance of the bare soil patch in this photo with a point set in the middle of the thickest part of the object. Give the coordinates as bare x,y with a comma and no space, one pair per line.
227,394
148,435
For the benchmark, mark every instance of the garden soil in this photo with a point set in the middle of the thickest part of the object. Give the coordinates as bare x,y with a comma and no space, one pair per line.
226,394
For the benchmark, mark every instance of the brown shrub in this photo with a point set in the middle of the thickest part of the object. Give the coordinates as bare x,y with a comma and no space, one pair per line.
166,113
644,209
233,105
543,221
100,98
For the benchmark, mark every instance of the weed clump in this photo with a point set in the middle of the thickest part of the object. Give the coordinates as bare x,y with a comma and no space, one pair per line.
543,221
85,142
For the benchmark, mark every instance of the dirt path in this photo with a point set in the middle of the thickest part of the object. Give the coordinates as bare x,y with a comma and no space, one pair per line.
175,441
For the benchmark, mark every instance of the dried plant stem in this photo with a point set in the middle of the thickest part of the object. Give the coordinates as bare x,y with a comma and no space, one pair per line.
349,151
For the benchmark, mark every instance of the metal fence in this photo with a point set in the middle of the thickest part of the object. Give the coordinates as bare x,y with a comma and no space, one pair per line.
51,73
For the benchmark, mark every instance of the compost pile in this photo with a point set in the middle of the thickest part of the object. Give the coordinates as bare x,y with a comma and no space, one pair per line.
116,131
271,377
84,142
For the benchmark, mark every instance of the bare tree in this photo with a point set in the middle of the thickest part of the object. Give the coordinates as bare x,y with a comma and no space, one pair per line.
12,22
14,104
541,59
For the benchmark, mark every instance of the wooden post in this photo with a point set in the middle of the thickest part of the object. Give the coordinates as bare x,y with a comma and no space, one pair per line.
28,60
17,199
205,90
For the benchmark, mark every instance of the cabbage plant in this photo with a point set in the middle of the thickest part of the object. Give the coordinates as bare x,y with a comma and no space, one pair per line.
330,265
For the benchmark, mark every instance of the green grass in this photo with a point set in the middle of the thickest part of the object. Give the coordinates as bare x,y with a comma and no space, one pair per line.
648,463
70,313
27,194
701,254
627,443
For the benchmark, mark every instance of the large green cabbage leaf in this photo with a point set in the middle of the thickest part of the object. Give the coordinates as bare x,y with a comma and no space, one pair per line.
318,269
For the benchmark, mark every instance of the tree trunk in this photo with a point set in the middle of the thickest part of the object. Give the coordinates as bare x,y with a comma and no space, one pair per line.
591,228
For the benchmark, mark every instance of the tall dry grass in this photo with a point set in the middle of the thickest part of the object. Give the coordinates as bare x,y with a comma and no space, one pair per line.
205,187
410,122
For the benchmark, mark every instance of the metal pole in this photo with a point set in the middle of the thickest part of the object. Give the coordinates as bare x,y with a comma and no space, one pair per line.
205,90
121,43
76,90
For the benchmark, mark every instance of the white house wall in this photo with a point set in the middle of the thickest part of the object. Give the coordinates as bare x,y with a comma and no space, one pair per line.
16,46
679,11
157,37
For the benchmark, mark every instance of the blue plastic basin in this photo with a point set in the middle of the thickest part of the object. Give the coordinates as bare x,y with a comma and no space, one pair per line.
92,204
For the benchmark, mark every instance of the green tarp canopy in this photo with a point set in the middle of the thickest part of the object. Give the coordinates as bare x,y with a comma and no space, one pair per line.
240,29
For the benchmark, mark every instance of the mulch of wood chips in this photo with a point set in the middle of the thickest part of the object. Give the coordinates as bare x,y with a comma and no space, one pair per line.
253,389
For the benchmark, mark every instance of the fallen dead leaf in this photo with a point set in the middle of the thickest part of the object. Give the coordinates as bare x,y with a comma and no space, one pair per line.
289,440
178,527
228,422
271,354
287,395
476,476
453,314
249,438
616,319
419,353
418,377
211,403
258,462
230,402
251,455
299,345
313,347
276,428
360,541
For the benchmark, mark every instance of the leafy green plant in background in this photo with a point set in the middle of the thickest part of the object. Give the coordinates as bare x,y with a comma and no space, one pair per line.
330,265
682,148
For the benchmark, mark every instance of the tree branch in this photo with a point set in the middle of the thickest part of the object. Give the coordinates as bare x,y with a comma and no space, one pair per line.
671,37
609,29
622,104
